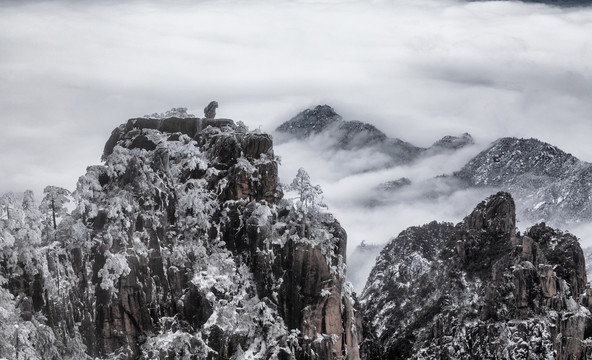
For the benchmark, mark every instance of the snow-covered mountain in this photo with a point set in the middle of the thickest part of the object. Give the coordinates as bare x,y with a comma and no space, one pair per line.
181,246
338,134
479,290
548,184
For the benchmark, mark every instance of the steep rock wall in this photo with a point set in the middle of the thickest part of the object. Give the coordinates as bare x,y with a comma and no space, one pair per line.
186,248
479,290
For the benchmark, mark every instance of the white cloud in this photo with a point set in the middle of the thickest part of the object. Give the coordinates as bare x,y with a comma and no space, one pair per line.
418,69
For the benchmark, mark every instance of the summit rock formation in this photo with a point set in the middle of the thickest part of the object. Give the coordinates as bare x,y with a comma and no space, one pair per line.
478,290
182,246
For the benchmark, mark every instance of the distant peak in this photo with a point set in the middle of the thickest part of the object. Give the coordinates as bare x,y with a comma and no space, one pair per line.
453,142
310,121
324,110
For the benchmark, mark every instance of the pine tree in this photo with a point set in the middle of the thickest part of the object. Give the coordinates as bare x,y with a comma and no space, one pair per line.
53,205
310,198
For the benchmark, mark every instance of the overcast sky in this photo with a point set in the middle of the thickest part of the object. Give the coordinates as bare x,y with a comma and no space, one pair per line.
71,71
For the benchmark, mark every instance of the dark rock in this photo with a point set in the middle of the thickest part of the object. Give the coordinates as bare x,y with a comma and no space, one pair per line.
142,142
218,123
356,135
103,179
184,244
112,141
496,214
452,143
188,126
197,310
210,110
160,162
310,121
143,123
25,304
254,145
478,290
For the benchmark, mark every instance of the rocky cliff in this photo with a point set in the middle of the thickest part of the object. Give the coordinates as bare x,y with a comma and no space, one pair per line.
182,246
478,289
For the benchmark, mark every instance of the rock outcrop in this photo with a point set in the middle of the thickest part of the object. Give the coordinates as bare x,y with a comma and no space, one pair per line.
479,290
210,110
262,290
182,246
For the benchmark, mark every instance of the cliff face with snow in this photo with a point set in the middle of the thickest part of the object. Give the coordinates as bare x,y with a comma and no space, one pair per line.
479,290
182,246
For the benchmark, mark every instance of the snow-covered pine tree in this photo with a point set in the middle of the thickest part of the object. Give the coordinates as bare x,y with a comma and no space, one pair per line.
53,206
310,198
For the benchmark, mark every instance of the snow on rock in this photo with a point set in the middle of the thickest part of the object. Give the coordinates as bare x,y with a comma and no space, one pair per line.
180,112
479,290
548,184
181,246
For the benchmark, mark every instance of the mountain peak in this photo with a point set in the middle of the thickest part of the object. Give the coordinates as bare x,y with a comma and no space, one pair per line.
508,158
181,245
310,121
171,122
548,183
497,213
434,289
450,142
339,134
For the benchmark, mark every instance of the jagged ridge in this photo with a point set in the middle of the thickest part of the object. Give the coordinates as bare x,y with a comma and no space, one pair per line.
479,290
548,184
355,135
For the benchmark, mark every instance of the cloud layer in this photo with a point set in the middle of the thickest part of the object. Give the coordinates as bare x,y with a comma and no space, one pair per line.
418,69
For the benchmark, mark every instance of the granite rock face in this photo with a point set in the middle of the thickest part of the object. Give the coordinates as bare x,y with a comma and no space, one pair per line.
262,290
479,290
182,246
210,110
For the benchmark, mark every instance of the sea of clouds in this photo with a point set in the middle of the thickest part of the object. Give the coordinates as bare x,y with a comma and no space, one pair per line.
72,71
